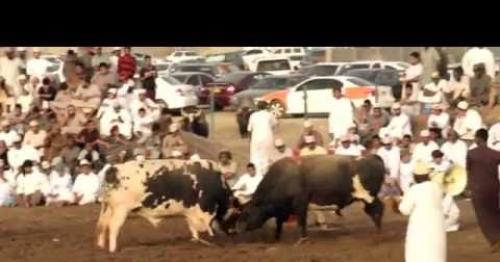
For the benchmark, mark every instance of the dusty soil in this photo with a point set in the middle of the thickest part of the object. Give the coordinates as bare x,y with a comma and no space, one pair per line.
68,234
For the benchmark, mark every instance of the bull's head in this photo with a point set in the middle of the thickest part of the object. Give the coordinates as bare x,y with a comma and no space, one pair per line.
376,211
252,217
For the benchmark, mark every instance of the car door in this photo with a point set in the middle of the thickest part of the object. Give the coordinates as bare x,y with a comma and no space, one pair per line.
319,96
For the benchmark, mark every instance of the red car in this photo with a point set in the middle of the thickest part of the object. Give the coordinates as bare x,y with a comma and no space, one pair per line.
225,87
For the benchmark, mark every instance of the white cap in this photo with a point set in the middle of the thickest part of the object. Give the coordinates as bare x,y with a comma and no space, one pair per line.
278,142
20,49
117,48
345,138
173,128
307,124
396,106
195,158
463,105
387,140
45,164
309,139
112,91
425,133
176,153
45,105
33,123
84,162
36,50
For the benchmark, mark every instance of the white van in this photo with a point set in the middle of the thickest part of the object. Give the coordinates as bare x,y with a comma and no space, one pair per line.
274,66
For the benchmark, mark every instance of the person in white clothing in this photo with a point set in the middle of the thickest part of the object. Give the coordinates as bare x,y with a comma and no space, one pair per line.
36,66
35,137
405,171
261,127
114,59
7,187
32,185
477,55
143,125
467,122
7,134
423,150
18,154
347,148
426,233
141,101
439,120
246,185
341,116
451,214
108,102
282,151
400,124
26,100
457,88
10,69
432,93
86,187
412,74
454,150
494,137
61,184
390,154
116,116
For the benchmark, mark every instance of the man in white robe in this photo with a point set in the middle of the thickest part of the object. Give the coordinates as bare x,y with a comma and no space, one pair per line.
116,116
455,150
423,150
494,137
261,127
61,183
478,55
341,116
86,188
467,122
37,66
143,125
108,102
400,124
7,134
141,101
439,119
347,147
19,153
246,185
426,233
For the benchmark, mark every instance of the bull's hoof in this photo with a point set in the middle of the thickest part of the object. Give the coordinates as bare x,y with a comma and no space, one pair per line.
301,241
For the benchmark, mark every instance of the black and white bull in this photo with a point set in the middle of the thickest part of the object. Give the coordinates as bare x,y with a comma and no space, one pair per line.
289,187
156,189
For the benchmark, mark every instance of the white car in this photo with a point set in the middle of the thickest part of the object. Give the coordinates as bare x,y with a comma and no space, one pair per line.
163,67
175,94
184,56
274,66
375,64
319,95
295,54
250,55
322,69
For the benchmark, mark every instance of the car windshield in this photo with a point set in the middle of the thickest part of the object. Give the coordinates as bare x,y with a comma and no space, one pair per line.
325,70
360,82
170,80
190,54
180,78
273,65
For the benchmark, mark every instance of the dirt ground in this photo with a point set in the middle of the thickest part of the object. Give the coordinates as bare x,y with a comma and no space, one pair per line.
68,234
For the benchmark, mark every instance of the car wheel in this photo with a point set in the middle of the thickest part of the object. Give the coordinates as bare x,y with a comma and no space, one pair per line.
277,108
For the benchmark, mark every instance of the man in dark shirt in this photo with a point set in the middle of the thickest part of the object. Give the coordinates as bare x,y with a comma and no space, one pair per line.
480,86
148,76
47,92
482,170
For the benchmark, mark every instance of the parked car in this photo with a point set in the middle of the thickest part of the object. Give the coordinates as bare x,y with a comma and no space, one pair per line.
250,55
199,80
319,95
274,66
294,54
213,69
175,94
387,81
184,56
162,67
265,85
235,58
375,64
224,88
322,69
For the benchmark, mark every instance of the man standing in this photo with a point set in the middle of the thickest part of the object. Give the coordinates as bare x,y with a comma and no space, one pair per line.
10,69
477,55
261,127
148,76
482,171
126,65
99,58
113,59
426,234
341,116
36,66
430,59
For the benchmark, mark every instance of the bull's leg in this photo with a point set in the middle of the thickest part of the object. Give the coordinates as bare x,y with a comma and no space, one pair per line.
279,227
116,221
102,226
300,207
195,235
